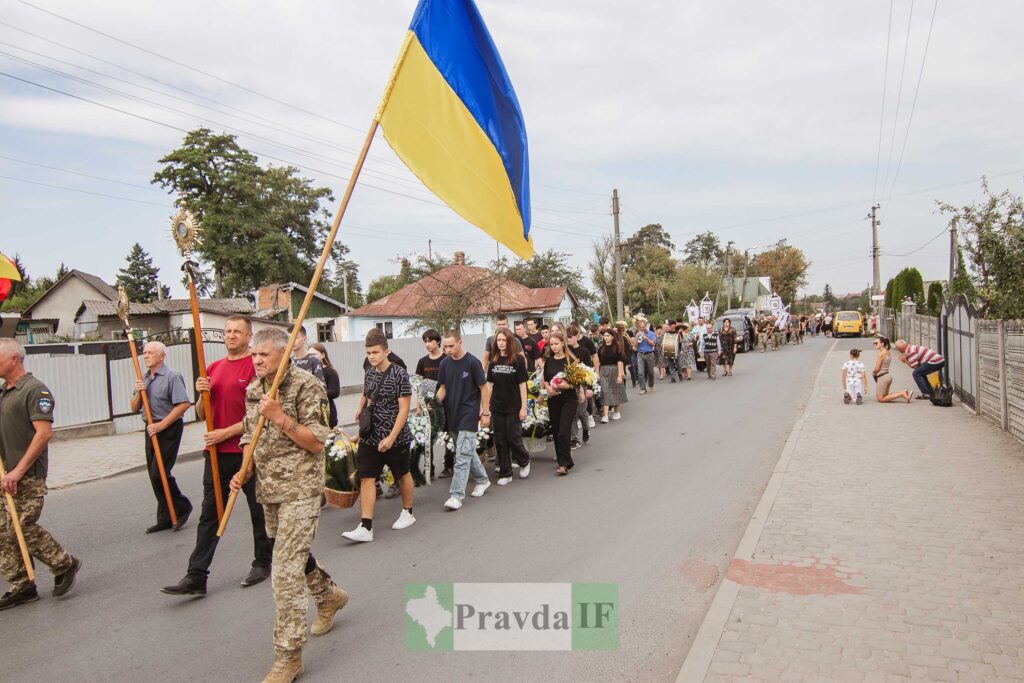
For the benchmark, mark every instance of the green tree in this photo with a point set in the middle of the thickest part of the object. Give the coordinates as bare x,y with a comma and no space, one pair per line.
992,236
829,298
602,274
787,266
961,283
204,282
27,291
935,298
646,282
139,277
914,286
890,290
383,286
704,250
259,224
651,235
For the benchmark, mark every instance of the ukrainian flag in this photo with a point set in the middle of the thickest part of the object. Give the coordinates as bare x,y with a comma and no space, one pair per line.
451,114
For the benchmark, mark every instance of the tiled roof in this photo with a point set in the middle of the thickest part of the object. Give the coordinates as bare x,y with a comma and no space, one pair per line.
487,294
98,283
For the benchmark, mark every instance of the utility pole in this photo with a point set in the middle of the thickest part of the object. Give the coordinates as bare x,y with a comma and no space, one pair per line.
344,280
430,250
876,278
728,264
618,257
954,255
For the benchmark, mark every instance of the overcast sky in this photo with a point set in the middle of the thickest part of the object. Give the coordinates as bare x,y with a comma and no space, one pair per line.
757,120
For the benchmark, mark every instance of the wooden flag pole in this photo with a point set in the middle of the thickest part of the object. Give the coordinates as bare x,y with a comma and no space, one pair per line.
204,396
12,510
247,456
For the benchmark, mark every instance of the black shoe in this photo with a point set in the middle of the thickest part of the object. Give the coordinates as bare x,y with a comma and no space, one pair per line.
157,527
445,474
673,380
256,575
586,437
575,444
62,583
182,521
187,586
23,596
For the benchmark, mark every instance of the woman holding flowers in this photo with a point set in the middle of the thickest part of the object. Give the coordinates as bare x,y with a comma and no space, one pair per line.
506,374
563,398
611,359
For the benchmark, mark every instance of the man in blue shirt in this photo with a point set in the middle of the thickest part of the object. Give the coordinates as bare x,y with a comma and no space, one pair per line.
168,401
462,386
645,355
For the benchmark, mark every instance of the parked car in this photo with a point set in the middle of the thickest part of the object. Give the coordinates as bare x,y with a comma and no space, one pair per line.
746,337
848,323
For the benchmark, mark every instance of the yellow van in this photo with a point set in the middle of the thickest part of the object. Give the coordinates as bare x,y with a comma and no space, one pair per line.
848,323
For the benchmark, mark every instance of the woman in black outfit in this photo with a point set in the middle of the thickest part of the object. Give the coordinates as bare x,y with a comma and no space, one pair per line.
506,373
561,402
332,380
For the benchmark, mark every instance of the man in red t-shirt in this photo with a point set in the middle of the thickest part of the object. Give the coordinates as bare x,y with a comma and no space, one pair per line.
227,380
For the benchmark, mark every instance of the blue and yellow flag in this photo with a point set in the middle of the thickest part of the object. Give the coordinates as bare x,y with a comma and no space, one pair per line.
451,114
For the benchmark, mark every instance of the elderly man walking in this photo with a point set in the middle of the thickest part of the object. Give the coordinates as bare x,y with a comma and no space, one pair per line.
924,361
168,401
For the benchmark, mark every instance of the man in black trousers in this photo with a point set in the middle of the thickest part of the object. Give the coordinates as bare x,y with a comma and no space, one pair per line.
226,381
168,401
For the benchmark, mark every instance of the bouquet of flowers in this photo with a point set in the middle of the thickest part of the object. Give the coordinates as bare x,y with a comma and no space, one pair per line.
448,441
484,439
577,374
537,421
534,387
419,425
339,463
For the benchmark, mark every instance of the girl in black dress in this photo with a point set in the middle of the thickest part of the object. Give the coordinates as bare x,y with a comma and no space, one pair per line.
562,400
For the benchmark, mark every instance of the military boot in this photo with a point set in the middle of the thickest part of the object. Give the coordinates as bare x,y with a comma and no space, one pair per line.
287,667
325,611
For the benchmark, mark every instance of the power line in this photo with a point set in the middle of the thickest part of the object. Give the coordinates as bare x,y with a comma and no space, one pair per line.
190,68
881,119
914,251
913,106
899,99
79,173
74,189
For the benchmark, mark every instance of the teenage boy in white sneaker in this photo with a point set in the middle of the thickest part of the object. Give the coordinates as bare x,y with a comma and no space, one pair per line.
387,393
462,386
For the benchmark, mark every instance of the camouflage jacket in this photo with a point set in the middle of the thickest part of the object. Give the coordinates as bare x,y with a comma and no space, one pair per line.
284,470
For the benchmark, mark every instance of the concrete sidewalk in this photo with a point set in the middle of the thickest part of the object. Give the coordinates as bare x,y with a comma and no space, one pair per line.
888,546
77,461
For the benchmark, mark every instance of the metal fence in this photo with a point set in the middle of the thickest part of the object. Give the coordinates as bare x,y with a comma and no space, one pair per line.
984,359
94,383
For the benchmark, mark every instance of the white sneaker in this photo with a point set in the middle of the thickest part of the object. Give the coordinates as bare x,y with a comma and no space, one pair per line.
590,422
524,472
406,519
360,533
604,419
504,481
479,489
617,416
453,503
515,466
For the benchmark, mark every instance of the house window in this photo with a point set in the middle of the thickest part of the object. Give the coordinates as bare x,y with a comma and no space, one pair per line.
324,332
386,328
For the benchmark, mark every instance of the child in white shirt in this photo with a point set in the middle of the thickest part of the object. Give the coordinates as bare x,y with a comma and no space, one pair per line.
854,378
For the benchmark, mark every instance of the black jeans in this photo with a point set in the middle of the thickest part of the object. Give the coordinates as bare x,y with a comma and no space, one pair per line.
562,411
206,533
169,440
508,441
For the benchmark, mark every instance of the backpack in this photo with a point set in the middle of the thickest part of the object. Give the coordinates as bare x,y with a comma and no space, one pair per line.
942,396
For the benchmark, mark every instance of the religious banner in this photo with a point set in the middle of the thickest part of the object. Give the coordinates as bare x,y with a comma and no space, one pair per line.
707,306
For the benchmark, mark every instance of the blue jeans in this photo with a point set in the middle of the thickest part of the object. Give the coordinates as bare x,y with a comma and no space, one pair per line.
921,373
466,463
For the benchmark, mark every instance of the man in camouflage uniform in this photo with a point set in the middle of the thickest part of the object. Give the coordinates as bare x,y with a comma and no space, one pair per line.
763,332
26,425
777,334
289,461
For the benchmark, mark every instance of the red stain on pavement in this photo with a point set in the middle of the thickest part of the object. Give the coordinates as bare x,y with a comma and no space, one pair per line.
699,574
818,579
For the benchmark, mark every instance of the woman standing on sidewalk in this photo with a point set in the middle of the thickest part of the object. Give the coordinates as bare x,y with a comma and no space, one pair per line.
883,380
611,361
562,399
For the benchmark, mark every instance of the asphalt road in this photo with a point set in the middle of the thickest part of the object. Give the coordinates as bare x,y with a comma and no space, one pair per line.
657,504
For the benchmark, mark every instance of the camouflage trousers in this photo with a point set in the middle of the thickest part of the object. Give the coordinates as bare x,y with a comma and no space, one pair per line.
292,525
762,341
777,339
41,545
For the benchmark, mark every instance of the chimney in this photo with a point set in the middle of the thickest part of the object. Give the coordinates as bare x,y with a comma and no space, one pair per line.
460,258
